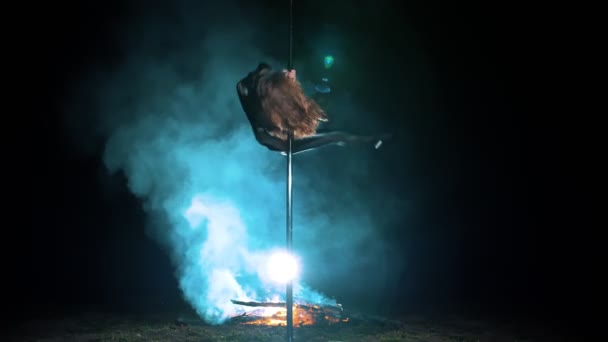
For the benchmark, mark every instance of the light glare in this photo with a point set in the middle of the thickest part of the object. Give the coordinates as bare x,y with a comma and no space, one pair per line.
283,267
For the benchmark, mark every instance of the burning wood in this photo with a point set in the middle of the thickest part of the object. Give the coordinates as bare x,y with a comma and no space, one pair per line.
275,314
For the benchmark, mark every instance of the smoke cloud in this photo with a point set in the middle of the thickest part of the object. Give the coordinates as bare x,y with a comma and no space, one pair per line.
171,122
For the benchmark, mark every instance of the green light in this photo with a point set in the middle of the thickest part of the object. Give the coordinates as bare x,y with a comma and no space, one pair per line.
328,62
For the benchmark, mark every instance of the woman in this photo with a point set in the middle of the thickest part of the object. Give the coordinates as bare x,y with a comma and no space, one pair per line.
277,109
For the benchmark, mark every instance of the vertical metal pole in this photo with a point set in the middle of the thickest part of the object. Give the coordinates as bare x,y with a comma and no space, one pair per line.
289,301
290,59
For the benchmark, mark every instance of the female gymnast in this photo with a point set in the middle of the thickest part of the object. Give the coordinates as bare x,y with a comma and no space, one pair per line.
277,108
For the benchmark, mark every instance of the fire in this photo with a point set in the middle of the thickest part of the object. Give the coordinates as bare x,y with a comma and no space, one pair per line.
302,315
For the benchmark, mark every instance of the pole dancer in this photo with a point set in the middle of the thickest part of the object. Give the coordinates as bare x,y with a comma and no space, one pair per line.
275,105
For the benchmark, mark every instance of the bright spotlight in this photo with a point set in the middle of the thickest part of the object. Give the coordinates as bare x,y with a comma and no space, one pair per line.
283,267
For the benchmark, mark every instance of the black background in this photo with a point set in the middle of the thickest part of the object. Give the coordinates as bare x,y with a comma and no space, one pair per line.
502,165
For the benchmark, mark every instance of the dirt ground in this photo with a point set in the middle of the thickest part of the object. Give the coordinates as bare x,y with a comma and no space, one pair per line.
124,328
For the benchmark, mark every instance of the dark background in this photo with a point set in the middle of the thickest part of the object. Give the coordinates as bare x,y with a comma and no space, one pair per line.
501,166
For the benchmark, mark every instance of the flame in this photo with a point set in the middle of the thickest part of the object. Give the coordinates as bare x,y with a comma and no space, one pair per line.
302,315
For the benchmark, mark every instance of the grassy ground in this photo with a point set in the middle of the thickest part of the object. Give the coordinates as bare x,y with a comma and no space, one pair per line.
122,328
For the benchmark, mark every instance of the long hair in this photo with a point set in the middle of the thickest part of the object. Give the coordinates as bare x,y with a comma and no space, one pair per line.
286,107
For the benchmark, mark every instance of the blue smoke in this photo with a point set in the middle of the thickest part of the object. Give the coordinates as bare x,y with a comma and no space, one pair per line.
216,198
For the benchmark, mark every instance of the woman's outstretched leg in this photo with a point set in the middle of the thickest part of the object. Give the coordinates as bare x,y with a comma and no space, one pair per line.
319,140
334,138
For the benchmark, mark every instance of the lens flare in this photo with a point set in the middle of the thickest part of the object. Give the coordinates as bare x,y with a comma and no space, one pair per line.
283,267
328,61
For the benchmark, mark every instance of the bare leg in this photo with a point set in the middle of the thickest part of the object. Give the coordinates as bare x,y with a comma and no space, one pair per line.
318,140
